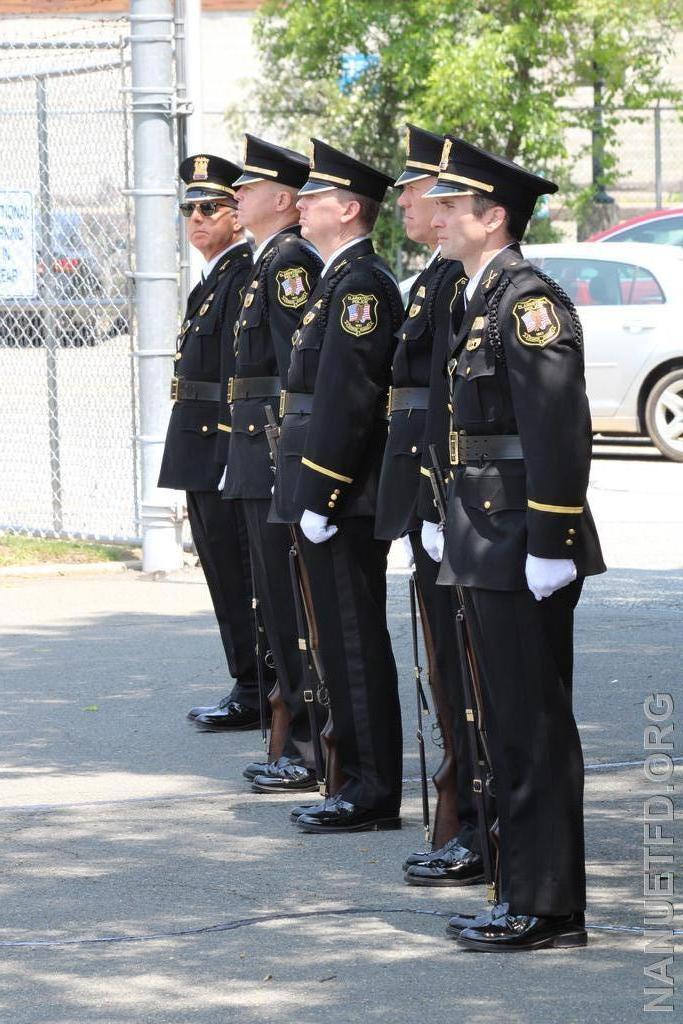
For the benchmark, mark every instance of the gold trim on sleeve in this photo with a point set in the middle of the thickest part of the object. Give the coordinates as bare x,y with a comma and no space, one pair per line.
569,510
326,472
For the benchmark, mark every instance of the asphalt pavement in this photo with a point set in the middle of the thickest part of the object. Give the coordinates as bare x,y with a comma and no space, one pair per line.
141,881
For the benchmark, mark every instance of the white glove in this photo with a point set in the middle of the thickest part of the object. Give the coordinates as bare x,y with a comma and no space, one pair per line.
408,551
221,482
432,539
546,575
315,528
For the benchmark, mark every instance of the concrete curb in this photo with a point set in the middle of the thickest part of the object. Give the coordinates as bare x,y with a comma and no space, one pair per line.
59,569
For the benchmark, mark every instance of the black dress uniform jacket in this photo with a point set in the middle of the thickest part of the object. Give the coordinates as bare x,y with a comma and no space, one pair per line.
423,334
198,432
516,368
330,455
281,282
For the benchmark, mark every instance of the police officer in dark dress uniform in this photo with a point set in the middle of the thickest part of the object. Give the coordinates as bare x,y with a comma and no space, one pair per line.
520,538
333,436
285,271
195,450
424,332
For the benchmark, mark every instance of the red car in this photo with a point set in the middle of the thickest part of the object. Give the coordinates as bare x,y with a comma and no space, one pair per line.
663,227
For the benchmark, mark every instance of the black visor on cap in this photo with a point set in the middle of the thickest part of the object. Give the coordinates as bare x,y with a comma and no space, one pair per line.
330,168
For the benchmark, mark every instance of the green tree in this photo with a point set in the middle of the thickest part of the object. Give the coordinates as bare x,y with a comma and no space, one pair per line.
512,76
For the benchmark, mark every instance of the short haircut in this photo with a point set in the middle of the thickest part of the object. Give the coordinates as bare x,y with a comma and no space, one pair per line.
515,222
369,210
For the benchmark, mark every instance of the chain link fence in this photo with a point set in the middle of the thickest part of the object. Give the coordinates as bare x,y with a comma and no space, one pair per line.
648,156
67,379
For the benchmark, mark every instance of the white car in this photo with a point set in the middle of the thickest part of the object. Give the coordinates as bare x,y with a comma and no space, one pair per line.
629,296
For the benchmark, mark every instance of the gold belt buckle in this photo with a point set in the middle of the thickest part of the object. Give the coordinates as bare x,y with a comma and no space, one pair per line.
453,452
389,401
174,388
231,381
283,398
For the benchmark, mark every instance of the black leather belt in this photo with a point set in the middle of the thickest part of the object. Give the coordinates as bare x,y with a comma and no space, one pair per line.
296,402
194,390
292,402
408,398
253,387
482,447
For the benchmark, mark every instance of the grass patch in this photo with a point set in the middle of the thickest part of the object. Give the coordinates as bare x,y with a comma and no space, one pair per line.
16,550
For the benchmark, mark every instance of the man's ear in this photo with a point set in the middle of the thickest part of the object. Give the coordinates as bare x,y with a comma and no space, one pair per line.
284,200
351,212
496,217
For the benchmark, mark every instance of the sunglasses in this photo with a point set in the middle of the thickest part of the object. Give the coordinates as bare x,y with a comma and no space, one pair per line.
207,208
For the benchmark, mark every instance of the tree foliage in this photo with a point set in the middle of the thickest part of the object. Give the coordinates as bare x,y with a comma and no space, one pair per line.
512,76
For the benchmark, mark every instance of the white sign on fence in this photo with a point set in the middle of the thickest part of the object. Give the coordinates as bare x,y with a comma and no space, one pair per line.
17,245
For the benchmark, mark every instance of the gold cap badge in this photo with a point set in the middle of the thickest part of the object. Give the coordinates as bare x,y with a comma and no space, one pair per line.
445,154
201,168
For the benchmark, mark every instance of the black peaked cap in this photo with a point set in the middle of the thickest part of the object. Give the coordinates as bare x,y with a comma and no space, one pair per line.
264,161
208,176
423,155
330,168
468,170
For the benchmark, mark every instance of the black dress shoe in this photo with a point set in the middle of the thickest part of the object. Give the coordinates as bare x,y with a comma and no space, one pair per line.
459,922
424,857
456,866
337,815
255,768
196,712
289,778
523,931
233,716
300,809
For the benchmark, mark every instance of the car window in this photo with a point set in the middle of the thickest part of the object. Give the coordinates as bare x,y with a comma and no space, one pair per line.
667,231
603,283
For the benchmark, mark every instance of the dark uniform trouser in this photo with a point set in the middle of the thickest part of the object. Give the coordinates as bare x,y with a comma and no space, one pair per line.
525,652
220,537
348,583
440,606
269,544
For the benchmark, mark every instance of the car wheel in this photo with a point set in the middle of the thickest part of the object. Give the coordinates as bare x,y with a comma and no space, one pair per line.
664,414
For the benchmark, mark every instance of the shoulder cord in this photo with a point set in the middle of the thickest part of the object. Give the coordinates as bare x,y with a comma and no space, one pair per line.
439,275
330,284
263,270
226,282
392,295
494,329
571,308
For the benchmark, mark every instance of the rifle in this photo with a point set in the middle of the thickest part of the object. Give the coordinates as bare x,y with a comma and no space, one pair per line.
280,717
480,760
446,821
421,706
259,631
308,635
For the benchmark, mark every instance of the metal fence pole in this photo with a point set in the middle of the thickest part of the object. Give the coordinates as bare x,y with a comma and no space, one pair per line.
156,277
658,155
48,327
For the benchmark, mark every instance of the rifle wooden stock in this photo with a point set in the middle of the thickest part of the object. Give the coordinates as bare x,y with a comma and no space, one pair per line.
280,722
333,773
445,779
